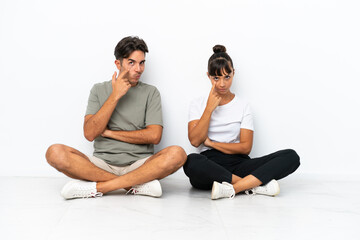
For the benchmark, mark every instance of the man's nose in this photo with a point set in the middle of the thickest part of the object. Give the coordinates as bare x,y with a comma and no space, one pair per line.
137,68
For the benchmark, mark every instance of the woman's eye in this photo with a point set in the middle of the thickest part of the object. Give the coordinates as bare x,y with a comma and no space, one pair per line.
227,76
216,78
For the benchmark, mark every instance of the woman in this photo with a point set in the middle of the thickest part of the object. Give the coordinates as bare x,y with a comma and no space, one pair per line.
221,126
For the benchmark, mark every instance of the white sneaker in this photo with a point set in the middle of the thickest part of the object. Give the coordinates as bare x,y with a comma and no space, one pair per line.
152,188
222,190
80,189
271,189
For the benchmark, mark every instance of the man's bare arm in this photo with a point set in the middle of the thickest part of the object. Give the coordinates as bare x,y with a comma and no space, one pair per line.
150,135
96,124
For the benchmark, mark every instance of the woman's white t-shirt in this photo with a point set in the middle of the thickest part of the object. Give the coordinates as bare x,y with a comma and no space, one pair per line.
226,120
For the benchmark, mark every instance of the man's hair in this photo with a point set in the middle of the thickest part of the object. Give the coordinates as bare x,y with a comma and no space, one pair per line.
128,45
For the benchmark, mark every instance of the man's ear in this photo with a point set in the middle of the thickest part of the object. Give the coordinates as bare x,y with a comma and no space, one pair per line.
118,64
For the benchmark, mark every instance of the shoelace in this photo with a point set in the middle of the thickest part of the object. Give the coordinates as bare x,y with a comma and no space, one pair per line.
253,190
138,188
132,190
98,194
84,193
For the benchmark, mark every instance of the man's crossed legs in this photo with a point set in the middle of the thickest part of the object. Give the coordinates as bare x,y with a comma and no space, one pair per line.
77,165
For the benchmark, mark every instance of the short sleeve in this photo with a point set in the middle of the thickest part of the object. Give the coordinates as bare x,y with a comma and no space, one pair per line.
93,102
195,110
153,109
247,120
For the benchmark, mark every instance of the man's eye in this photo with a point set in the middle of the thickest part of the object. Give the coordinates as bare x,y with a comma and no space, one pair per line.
131,63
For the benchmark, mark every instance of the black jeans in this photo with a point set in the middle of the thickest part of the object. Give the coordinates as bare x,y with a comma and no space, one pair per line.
212,165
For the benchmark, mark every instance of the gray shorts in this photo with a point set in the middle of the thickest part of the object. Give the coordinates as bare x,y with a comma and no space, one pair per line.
115,169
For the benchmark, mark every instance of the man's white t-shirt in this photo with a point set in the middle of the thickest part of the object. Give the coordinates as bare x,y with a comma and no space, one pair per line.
226,120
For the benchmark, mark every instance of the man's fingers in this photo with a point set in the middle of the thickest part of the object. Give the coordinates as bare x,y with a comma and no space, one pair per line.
114,77
123,74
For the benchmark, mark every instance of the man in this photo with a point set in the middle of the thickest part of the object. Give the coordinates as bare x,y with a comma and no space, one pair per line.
124,118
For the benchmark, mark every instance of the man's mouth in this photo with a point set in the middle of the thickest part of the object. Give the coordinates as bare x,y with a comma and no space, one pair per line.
134,78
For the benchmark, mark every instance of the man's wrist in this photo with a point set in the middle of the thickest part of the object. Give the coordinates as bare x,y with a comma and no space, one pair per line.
111,133
114,98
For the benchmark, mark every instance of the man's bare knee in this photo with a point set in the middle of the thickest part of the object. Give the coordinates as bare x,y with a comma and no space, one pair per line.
56,156
175,157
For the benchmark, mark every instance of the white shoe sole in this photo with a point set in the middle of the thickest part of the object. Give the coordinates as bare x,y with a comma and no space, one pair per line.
215,188
278,187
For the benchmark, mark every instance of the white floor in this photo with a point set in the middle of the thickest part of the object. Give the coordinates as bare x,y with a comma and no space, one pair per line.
307,208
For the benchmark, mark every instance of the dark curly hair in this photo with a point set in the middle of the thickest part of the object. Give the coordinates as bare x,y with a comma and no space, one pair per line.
128,45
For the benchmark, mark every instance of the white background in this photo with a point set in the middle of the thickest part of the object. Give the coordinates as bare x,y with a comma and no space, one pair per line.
297,63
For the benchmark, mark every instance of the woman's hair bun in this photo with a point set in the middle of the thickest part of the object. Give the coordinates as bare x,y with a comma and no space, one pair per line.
219,48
